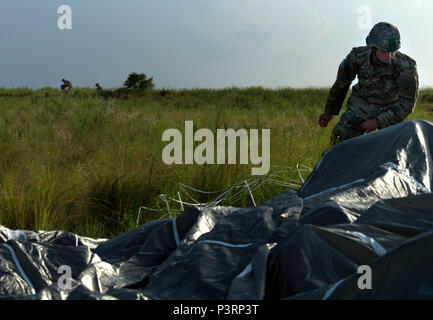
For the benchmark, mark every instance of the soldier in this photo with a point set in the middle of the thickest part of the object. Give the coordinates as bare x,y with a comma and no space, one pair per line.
67,85
99,88
386,91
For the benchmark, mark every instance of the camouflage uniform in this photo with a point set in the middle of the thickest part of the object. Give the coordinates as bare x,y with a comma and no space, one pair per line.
386,92
67,85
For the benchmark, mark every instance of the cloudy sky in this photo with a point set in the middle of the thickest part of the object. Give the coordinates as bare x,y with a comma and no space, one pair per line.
200,43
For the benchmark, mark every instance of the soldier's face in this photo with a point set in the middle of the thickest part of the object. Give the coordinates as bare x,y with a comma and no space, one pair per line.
385,56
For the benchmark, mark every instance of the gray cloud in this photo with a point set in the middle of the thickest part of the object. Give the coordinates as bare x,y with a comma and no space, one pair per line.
198,43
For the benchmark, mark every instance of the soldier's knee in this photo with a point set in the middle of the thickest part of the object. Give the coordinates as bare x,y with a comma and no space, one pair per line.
340,134
335,139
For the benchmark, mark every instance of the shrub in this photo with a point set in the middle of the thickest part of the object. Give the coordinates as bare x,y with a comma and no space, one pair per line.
138,81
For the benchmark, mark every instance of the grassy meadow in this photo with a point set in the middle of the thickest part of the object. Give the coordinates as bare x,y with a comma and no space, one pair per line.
80,162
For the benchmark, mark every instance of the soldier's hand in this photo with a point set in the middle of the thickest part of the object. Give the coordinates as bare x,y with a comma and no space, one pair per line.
324,119
369,125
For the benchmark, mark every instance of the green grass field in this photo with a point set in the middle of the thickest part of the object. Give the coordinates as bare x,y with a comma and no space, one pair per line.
78,162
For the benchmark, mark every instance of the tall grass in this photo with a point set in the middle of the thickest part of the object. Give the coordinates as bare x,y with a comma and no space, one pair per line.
79,162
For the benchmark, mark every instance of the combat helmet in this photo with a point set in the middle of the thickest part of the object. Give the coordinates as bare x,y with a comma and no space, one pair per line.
384,36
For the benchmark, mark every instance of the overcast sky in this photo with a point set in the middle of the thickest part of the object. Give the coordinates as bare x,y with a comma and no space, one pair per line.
200,43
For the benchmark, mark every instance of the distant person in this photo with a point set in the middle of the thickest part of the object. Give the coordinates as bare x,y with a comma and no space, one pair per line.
99,88
386,91
67,85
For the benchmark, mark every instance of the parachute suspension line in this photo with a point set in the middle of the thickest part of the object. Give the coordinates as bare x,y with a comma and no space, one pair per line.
299,172
231,194
250,193
20,269
138,217
197,190
180,199
189,196
184,202
175,232
139,212
255,183
163,198
219,198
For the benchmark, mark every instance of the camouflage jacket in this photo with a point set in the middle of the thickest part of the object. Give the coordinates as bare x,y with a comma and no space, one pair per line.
394,88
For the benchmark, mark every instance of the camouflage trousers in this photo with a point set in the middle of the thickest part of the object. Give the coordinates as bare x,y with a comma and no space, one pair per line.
357,112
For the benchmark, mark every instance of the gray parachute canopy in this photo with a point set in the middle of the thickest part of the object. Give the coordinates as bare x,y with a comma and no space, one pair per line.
368,202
